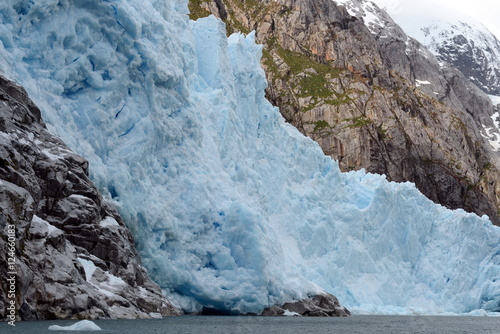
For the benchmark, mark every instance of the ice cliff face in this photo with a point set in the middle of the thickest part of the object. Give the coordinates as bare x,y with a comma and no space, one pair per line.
232,208
349,77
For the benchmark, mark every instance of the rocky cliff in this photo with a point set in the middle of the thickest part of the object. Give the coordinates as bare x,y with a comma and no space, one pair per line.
65,247
372,97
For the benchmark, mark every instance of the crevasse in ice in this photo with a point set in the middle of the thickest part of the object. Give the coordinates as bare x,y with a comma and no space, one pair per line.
231,207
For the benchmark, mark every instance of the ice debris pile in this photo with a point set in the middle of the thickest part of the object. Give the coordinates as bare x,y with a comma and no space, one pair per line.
231,207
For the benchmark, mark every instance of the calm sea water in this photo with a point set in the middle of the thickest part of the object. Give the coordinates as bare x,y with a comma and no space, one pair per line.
365,324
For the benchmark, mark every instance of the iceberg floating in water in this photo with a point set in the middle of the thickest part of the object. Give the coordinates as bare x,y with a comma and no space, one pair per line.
83,325
231,207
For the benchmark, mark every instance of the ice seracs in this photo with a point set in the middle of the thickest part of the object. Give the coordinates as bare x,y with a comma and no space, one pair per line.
232,208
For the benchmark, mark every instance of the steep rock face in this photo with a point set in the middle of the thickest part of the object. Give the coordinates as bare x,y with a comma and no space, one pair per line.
74,258
372,97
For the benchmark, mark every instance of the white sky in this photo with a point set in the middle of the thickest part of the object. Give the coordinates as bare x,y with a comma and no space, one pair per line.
485,11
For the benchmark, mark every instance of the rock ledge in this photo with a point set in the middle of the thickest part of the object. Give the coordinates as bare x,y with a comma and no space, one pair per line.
323,305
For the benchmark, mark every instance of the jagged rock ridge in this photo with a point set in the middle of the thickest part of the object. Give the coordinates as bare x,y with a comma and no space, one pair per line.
372,97
74,256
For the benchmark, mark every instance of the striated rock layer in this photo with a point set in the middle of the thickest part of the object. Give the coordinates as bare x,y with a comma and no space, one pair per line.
74,258
372,97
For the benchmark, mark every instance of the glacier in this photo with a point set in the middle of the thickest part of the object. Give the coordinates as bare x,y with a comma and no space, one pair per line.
231,207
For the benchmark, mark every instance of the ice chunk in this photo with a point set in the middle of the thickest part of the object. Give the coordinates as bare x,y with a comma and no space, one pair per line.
155,315
290,313
83,325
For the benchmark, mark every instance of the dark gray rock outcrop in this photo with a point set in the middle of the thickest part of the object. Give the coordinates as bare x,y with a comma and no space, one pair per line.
74,257
323,305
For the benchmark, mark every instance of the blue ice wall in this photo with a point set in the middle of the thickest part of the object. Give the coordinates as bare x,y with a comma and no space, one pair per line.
231,207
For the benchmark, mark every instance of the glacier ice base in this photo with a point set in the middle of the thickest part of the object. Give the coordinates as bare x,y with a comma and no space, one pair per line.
231,207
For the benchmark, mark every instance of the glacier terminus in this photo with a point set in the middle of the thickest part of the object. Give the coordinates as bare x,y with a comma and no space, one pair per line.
231,207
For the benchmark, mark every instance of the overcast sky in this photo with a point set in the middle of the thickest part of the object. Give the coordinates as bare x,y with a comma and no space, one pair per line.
486,11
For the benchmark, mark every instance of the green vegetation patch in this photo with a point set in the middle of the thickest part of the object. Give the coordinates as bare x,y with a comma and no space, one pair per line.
358,122
320,125
322,128
196,11
343,98
299,63
314,76
315,85
267,60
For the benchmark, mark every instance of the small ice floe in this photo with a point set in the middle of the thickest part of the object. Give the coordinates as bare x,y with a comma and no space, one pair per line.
84,325
291,314
155,315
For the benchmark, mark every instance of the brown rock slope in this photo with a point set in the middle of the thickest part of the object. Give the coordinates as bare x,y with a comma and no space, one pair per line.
372,98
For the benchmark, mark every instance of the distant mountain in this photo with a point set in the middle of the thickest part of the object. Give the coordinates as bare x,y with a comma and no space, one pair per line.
460,40
457,42
468,46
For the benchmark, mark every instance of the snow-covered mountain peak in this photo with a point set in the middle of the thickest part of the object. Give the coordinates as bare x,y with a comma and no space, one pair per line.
452,36
469,46
455,37
381,24
373,17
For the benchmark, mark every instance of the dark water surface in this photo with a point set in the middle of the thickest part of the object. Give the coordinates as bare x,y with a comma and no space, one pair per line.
363,324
